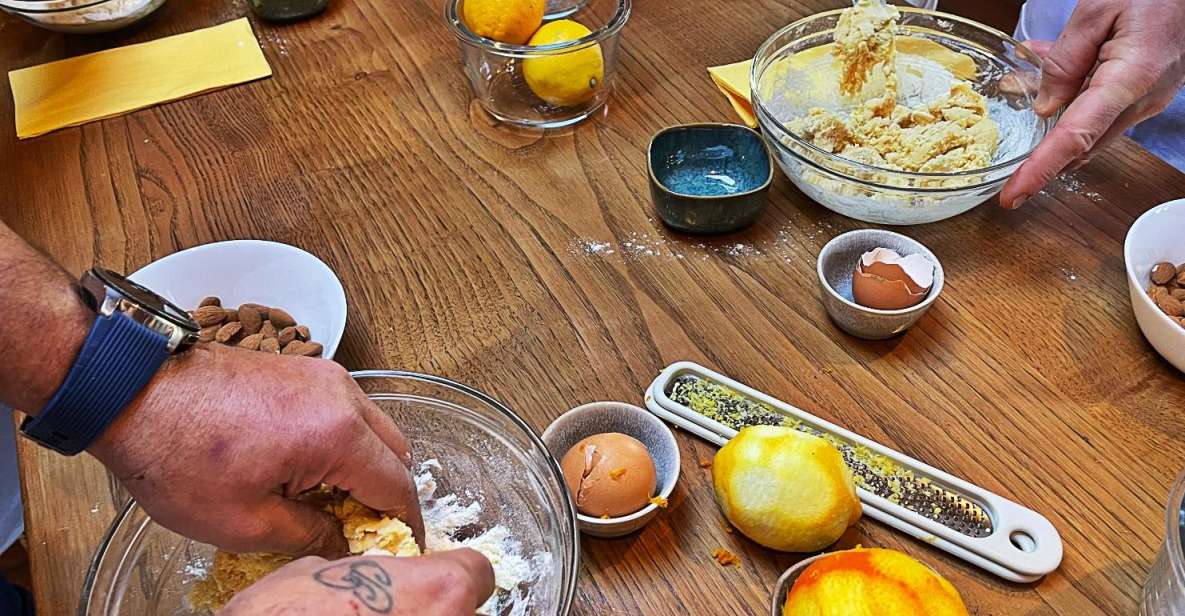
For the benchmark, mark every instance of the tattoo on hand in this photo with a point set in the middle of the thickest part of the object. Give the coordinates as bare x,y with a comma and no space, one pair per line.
366,579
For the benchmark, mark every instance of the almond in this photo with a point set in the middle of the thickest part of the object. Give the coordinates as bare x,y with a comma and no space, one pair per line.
282,319
1179,294
1171,306
302,333
251,343
232,315
1163,272
208,316
207,334
1180,279
263,311
268,330
311,349
269,345
287,335
210,300
1156,292
293,348
250,318
228,332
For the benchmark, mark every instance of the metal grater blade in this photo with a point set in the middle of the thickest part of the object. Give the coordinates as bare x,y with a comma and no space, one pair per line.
871,471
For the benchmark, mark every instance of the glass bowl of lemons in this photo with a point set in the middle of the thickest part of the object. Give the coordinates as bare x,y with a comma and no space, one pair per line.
538,64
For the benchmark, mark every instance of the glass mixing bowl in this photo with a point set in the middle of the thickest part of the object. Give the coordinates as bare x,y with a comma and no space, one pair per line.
488,453
81,16
495,70
787,83
1164,592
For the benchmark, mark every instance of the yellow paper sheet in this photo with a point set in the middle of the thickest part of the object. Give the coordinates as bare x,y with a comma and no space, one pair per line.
733,79
116,81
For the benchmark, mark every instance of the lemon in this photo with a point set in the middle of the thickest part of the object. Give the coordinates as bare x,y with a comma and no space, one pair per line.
506,21
785,489
872,581
565,78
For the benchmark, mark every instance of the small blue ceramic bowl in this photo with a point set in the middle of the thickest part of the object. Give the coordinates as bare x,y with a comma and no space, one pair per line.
709,178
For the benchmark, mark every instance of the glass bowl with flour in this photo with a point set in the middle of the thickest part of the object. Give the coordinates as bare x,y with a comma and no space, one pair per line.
486,482
81,16
818,84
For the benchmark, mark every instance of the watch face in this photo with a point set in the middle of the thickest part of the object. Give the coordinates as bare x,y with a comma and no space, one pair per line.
145,299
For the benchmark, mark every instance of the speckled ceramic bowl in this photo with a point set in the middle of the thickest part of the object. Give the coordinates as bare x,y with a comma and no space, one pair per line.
837,265
709,178
599,417
777,602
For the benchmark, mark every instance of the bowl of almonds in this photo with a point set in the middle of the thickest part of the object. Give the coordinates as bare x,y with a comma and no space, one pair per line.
257,295
1155,256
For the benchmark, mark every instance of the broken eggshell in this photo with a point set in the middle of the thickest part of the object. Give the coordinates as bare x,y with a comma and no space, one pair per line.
885,280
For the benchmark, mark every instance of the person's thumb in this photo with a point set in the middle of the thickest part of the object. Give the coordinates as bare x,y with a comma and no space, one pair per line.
291,527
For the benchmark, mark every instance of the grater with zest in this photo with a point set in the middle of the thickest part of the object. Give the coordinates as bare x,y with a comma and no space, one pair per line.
954,515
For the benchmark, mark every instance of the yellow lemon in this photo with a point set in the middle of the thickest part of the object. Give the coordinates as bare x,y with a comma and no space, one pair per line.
872,581
507,21
785,489
565,78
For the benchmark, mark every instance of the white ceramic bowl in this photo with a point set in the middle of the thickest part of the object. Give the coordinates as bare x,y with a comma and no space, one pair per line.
599,417
1158,235
255,271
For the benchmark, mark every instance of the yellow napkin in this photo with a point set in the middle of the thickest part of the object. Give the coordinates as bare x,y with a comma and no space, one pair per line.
733,79
116,81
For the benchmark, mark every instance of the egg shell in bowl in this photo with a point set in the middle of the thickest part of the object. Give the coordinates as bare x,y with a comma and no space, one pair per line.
254,271
886,280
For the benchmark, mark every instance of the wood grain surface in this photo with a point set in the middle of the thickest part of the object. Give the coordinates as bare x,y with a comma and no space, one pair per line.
473,252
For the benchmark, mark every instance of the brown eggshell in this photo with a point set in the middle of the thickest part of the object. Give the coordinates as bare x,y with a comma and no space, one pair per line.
609,474
876,292
893,272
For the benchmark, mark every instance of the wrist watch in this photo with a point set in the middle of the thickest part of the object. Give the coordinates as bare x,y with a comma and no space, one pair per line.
134,332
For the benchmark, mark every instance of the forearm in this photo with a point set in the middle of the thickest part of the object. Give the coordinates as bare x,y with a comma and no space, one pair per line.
44,326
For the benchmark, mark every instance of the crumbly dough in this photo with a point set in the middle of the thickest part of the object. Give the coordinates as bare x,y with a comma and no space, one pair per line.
365,530
951,134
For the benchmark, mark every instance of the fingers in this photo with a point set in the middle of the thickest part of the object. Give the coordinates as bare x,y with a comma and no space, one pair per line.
1041,48
1082,126
1070,59
476,570
379,479
385,428
291,527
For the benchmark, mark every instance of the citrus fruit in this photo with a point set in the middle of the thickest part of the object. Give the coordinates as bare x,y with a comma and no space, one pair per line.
506,21
871,581
785,489
564,78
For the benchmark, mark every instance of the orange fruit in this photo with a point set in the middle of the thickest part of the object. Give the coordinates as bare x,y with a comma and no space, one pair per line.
505,21
871,582
785,489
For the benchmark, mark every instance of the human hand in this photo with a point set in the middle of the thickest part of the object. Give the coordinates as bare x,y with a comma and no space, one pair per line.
222,439
1116,64
441,584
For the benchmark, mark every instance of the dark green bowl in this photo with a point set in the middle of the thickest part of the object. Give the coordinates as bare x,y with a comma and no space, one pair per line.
709,178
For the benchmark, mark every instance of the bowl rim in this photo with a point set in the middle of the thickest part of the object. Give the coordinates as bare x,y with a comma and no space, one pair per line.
777,600
935,290
773,125
1133,280
467,36
663,492
567,592
50,7
769,177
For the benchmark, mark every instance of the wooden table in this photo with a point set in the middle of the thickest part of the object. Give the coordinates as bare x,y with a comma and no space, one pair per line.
467,250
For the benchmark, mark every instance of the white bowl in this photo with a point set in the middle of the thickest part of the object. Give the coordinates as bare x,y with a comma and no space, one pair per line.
255,271
1154,237
599,417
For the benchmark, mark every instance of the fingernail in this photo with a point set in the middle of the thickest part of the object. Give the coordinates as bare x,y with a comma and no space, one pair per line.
1080,164
1017,202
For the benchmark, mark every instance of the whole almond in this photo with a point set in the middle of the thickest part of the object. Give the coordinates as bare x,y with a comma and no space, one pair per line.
287,335
250,318
311,349
207,316
1156,292
1179,294
268,330
1180,279
1163,272
1171,306
232,315
293,348
282,319
207,334
251,343
228,332
263,311
210,300
269,345
302,332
